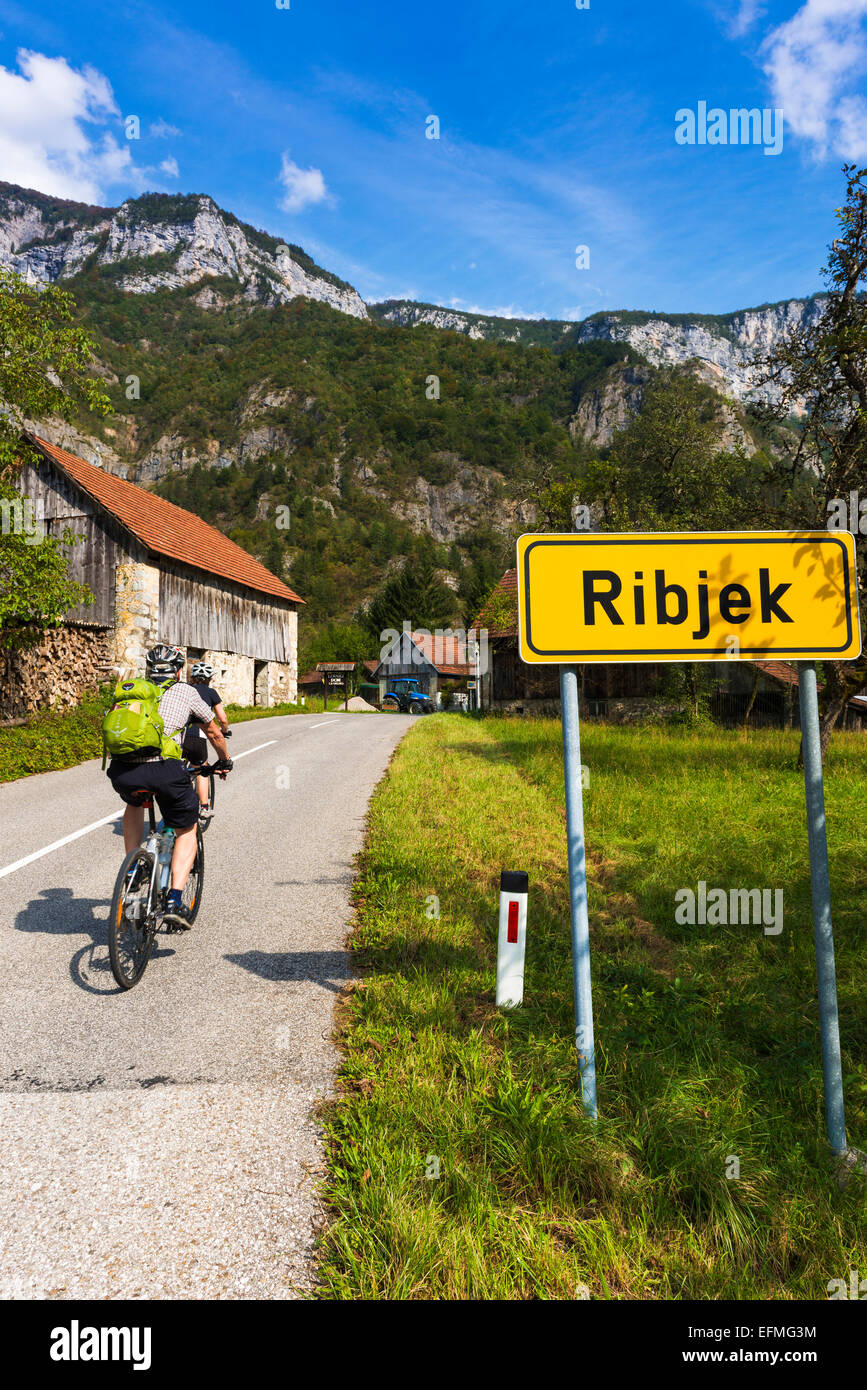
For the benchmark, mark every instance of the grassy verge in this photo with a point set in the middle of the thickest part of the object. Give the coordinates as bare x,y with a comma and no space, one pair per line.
49,741
239,713
707,1036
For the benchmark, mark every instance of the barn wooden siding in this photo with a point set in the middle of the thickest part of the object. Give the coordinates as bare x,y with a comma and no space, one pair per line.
92,561
219,616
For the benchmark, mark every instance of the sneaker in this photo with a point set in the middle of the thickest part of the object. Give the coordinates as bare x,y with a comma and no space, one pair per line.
178,916
205,813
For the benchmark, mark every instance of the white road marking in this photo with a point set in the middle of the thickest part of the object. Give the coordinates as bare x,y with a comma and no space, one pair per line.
115,815
253,750
324,723
67,839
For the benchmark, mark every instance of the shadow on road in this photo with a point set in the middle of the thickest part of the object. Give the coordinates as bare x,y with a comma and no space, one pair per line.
58,912
327,968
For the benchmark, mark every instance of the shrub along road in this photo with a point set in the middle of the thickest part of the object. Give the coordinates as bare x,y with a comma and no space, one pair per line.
161,1143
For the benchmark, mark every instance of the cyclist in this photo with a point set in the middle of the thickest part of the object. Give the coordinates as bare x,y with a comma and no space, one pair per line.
195,749
138,775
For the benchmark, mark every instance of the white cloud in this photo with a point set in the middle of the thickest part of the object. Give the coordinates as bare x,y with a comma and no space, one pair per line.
45,111
814,62
161,130
303,186
170,167
747,13
505,311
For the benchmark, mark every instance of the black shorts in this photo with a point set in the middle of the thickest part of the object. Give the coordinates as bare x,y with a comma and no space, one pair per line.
168,780
195,746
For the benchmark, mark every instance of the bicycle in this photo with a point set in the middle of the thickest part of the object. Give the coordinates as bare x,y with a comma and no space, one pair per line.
139,900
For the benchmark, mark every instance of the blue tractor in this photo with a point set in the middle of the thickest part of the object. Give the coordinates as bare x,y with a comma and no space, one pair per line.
405,696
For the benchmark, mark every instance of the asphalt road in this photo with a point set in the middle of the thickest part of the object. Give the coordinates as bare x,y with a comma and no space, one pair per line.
161,1143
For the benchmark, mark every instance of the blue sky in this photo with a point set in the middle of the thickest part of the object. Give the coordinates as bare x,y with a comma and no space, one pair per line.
557,129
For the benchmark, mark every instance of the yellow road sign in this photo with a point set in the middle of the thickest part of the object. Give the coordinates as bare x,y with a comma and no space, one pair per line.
687,596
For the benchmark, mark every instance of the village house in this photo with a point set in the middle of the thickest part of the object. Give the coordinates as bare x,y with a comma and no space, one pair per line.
433,658
158,573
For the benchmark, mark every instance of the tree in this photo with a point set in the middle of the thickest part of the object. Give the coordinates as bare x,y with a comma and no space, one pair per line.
43,363
35,590
670,469
413,595
337,642
820,372
43,372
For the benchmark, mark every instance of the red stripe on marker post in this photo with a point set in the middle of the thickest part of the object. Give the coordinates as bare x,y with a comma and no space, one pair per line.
512,939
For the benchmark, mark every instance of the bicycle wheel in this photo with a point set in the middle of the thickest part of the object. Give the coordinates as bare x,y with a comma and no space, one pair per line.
192,894
131,927
212,793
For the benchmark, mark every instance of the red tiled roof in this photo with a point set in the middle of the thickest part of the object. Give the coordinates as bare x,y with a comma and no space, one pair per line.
166,529
780,670
447,653
507,586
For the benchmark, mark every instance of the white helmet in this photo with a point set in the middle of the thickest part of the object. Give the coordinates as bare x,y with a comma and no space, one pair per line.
202,671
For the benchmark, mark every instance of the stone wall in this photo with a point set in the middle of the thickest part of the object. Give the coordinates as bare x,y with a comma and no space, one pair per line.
137,614
68,662
292,674
634,710
235,678
280,685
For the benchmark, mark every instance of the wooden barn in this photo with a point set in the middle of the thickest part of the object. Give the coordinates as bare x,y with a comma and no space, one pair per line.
158,574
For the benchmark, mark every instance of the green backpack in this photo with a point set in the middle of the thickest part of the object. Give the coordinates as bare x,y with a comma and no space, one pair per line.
134,724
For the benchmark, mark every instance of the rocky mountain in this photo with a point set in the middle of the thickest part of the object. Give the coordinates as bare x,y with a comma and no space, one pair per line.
159,242
165,242
244,378
722,345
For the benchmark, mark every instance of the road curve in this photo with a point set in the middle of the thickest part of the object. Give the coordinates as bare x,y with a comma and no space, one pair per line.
161,1143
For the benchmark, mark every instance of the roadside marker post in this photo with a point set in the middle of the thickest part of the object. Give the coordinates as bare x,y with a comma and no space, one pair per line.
512,938
593,597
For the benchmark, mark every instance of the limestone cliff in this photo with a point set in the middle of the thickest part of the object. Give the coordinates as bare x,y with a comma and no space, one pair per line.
723,345
159,242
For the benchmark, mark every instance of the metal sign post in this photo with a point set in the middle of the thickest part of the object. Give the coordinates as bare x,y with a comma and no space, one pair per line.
688,596
835,1116
584,1043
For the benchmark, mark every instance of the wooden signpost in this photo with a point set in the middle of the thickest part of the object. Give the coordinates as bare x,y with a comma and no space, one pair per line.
335,673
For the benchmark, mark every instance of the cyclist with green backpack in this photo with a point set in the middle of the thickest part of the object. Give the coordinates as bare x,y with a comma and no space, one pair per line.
142,735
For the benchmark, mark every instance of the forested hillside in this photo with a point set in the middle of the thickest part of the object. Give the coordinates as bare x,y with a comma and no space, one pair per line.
335,441
244,410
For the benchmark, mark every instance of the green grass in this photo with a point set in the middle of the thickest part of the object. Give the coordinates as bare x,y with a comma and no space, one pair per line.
315,705
50,741
707,1037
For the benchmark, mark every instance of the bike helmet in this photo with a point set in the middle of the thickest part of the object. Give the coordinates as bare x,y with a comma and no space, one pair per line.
164,655
163,662
202,671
